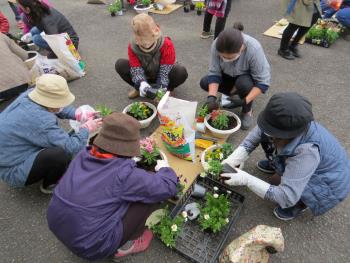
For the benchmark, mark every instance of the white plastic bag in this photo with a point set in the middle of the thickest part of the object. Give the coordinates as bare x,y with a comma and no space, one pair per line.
177,118
75,125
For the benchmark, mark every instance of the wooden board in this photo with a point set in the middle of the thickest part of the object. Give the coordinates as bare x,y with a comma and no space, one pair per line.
167,10
276,30
185,169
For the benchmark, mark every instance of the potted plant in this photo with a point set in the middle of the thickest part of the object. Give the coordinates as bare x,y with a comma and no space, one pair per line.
199,7
202,112
192,6
119,7
216,152
144,112
168,229
143,6
103,110
112,9
222,123
150,153
323,33
214,214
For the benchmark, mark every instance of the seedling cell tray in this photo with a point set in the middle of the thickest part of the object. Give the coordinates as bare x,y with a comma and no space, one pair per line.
196,244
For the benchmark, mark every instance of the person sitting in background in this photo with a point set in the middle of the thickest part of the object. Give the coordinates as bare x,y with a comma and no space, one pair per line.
33,147
47,20
14,75
310,168
152,60
101,204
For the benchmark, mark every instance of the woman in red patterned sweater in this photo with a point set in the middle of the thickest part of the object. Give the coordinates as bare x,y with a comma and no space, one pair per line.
152,60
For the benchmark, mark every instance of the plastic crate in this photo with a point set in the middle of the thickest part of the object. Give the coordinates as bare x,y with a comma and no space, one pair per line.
318,42
197,245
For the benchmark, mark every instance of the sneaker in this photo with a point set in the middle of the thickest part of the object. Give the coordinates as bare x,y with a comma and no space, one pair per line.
287,54
133,94
289,213
295,52
246,120
138,245
48,189
206,35
265,166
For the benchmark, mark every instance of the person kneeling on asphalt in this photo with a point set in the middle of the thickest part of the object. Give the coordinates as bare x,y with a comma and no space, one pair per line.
152,61
101,204
238,66
311,169
33,147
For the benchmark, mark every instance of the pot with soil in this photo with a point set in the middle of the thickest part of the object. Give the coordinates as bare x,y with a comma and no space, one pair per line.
144,112
150,153
216,152
143,6
32,55
222,123
199,12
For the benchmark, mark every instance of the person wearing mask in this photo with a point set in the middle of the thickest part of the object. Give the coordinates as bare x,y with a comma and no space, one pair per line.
152,61
311,170
238,66
33,147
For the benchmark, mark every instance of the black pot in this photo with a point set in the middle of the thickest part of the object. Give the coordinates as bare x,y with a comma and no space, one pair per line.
112,14
199,12
192,6
186,9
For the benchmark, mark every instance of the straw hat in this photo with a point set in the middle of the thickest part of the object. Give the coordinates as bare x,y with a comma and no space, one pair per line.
146,31
120,135
51,91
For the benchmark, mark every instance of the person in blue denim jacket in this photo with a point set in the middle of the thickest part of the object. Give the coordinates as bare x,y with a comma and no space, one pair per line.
33,146
311,169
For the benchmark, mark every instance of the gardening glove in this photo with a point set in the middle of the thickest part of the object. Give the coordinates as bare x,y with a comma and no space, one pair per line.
136,159
27,37
144,86
258,186
161,164
237,158
82,115
212,103
92,125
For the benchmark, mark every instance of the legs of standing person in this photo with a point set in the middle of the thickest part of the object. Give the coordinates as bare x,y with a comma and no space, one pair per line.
286,37
38,39
49,166
207,33
177,75
221,21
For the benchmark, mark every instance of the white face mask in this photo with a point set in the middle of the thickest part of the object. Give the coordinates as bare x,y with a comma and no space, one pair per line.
231,59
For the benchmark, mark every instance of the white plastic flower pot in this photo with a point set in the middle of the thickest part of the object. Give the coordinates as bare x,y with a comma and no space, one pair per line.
31,61
120,13
205,165
142,10
144,123
223,134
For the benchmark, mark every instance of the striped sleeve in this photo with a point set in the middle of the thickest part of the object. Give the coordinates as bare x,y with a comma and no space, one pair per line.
137,73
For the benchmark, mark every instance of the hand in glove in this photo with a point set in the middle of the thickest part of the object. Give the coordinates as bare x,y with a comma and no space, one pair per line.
92,125
84,115
26,37
144,86
255,184
212,103
237,158
161,164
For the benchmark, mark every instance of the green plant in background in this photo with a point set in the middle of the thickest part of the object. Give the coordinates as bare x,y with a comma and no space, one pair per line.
160,94
227,149
146,2
112,9
199,6
115,7
168,229
215,168
140,111
331,35
104,110
203,111
219,120
214,215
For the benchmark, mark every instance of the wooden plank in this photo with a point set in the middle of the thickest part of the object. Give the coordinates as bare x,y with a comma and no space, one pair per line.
167,10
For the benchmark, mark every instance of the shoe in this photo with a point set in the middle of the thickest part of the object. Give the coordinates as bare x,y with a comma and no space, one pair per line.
246,120
289,213
287,54
265,166
206,35
295,51
133,94
48,189
138,245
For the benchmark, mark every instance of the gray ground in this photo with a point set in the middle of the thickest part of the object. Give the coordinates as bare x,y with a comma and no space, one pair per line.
322,75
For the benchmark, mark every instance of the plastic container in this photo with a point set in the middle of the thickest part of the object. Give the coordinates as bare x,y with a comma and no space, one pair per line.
222,134
144,123
31,61
142,10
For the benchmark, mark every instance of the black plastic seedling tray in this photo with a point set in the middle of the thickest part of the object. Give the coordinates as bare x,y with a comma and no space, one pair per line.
195,244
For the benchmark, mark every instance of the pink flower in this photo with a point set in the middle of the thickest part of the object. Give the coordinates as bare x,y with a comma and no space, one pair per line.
148,144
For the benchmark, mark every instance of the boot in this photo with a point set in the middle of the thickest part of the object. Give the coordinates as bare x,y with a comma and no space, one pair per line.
287,54
295,51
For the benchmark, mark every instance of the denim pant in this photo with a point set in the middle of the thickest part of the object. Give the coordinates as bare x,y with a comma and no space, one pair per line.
343,16
38,39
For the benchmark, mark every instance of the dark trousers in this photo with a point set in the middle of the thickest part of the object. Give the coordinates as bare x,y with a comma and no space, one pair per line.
177,75
135,219
49,166
290,30
13,92
243,84
15,11
220,21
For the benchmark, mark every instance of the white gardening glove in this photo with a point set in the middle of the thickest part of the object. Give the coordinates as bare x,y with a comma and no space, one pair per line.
243,178
143,87
237,158
26,37
161,164
136,159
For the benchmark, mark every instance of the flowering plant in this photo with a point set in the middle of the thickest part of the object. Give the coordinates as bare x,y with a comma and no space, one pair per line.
214,215
149,151
220,153
140,111
168,229
219,120
202,112
215,169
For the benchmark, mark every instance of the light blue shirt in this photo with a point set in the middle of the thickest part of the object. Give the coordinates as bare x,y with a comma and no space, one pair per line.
26,129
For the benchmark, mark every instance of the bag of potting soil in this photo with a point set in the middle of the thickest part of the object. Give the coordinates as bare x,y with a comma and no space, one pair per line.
177,118
63,47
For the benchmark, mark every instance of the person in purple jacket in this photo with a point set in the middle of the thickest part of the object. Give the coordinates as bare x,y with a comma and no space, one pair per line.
101,204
